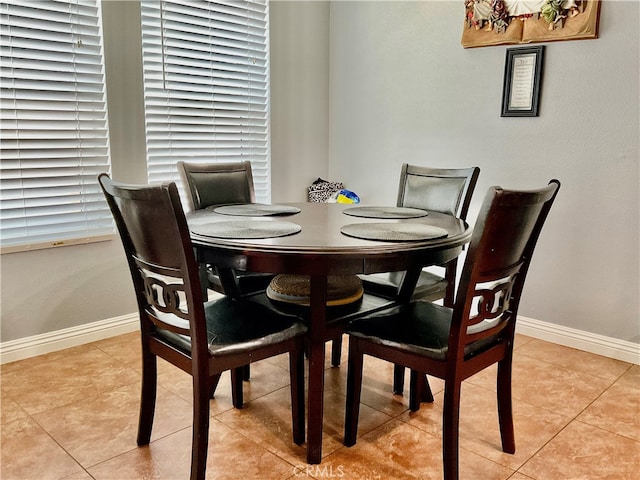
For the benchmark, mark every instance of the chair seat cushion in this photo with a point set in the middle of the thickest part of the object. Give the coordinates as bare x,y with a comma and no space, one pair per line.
429,287
419,327
240,325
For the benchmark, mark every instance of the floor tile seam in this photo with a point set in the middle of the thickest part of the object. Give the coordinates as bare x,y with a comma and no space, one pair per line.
623,374
126,452
86,467
384,412
117,359
571,419
50,435
575,417
85,399
22,410
599,427
244,405
556,435
58,353
521,343
508,467
287,386
566,418
389,420
251,439
580,372
544,406
542,447
437,437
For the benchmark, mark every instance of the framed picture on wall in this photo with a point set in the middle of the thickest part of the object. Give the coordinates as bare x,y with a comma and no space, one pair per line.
522,81
509,22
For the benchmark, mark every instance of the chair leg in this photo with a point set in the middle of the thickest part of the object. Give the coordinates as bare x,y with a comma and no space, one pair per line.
148,397
236,387
246,372
296,369
200,439
426,395
450,429
336,351
423,389
416,387
450,275
214,384
505,406
354,391
398,379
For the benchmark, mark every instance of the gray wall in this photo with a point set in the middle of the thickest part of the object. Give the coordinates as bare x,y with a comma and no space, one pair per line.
403,90
299,97
359,88
47,290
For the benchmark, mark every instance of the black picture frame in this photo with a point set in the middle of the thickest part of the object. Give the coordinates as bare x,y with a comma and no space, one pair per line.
522,81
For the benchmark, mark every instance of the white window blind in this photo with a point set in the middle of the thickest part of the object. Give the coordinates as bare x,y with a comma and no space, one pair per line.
54,136
206,84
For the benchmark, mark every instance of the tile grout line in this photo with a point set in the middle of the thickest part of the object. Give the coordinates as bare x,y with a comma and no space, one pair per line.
575,419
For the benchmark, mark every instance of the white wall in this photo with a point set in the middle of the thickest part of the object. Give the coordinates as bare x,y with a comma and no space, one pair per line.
404,90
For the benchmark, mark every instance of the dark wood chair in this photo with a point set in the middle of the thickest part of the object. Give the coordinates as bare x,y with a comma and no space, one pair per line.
211,184
444,190
203,339
456,343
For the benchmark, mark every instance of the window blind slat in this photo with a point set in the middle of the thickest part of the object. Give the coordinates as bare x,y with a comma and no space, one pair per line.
206,86
53,127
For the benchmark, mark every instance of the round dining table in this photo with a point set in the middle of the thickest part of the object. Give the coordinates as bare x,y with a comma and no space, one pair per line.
322,239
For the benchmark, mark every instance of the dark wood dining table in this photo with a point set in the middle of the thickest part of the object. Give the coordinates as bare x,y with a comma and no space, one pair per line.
320,249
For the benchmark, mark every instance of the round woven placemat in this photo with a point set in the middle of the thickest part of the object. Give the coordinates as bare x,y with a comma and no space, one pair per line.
246,229
256,210
393,232
295,289
385,212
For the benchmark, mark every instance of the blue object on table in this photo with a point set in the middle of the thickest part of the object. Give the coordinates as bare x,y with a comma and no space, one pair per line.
347,196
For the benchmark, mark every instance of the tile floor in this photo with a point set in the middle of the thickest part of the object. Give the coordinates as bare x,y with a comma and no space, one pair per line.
72,415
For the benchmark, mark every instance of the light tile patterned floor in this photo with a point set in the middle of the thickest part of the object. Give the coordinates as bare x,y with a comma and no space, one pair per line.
73,415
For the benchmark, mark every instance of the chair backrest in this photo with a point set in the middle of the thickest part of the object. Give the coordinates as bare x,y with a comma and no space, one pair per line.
445,190
155,237
496,265
217,183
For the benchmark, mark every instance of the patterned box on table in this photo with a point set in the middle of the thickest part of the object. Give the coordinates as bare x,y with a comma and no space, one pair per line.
321,190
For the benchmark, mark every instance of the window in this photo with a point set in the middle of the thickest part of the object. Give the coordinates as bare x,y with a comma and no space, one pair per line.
54,136
206,84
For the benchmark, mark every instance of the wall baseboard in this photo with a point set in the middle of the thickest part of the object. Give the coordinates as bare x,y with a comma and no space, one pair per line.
579,339
27,347
22,348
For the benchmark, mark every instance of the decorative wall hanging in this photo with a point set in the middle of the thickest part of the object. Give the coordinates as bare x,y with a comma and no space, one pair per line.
522,74
500,22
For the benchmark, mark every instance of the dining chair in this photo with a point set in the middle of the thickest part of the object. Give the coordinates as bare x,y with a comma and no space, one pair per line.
211,184
444,190
455,343
202,338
